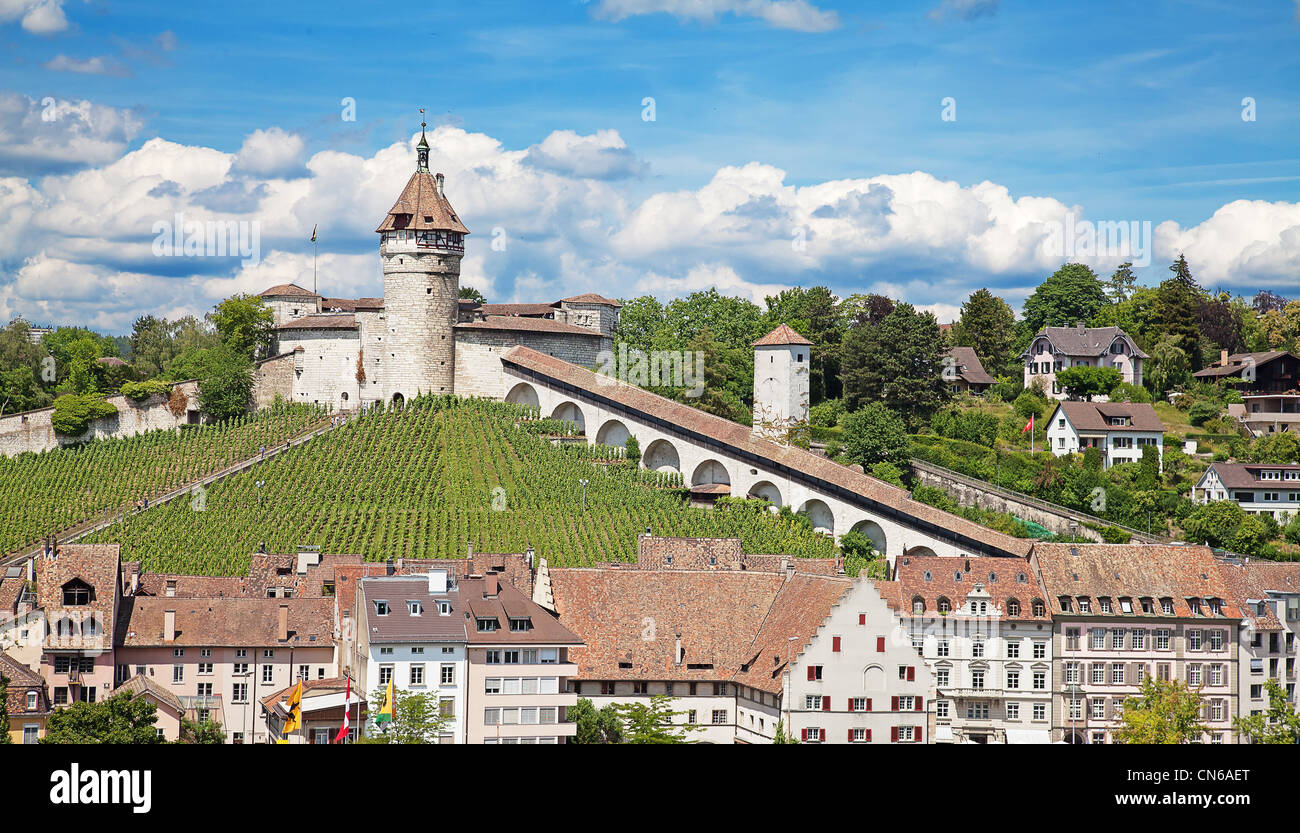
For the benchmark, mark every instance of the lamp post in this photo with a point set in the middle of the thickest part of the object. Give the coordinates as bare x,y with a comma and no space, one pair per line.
584,483
1073,691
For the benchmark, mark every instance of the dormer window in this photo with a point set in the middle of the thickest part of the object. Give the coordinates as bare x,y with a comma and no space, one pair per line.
1104,602
444,608
1126,605
918,605
520,624
487,625
1216,606
1013,607
1040,609
414,608
1167,606
1147,606
77,593
1085,605
1065,603
1195,605
945,606
381,607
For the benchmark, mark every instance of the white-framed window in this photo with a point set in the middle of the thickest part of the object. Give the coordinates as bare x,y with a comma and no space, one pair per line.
268,673
1013,711
1216,675
447,674
417,673
1098,708
1216,640
1040,711
269,653
1139,640
1117,673
1194,640
941,678
941,648
977,678
941,708
1072,673
1013,649
205,669
178,673
239,693
1098,638
859,735
178,652
1040,649
1194,674
1117,639
1099,673
1040,681
859,704
977,710
1162,639
719,717
33,700
1013,679
385,673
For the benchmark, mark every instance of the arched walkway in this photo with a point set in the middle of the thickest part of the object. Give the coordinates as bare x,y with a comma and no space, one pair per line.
523,394
920,552
768,491
570,412
661,455
874,532
709,472
823,520
398,400
612,432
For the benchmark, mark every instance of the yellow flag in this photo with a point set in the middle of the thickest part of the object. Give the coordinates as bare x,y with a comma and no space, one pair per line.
386,713
294,723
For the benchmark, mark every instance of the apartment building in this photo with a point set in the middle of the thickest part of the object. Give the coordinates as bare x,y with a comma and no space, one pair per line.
1123,612
1120,429
415,636
26,701
519,666
1270,600
1258,488
78,595
1268,382
983,628
1057,348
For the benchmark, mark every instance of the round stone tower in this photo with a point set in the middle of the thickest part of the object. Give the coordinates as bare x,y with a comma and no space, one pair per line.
421,242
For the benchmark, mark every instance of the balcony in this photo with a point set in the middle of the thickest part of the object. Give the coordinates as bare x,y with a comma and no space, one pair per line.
967,692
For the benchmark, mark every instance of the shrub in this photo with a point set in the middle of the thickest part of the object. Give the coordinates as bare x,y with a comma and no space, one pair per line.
826,414
875,434
887,472
73,413
140,391
1006,389
1133,393
1202,411
1030,404
632,449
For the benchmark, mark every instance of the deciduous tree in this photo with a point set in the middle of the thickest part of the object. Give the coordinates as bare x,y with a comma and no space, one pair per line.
117,719
1164,712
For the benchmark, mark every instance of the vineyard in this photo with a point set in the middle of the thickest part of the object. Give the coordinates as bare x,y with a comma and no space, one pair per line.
44,493
421,481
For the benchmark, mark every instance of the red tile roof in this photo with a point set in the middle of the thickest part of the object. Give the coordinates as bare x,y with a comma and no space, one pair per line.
1095,416
740,438
969,366
929,578
799,609
284,289
1249,594
324,321
664,553
540,310
591,298
226,621
421,207
780,336
351,304
532,325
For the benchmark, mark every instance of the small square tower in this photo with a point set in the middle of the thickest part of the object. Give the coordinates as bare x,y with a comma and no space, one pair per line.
782,361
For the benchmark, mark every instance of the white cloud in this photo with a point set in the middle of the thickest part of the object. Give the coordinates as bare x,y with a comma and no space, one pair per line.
40,136
86,66
707,276
40,17
602,155
799,15
1245,245
271,153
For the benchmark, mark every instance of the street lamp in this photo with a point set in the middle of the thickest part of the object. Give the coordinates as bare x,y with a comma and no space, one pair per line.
584,483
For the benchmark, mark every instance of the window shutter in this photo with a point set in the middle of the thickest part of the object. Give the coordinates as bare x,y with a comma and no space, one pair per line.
920,701
880,644
893,703
862,618
919,733
893,734
911,674
868,707
835,644
850,704
868,736
812,674
826,704
850,736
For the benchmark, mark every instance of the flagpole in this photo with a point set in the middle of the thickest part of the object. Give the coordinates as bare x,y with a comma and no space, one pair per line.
313,261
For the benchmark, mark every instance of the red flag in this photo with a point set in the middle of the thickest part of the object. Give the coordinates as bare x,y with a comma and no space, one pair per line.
1029,426
347,710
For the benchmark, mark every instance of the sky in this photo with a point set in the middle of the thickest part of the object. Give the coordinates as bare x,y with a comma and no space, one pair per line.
921,150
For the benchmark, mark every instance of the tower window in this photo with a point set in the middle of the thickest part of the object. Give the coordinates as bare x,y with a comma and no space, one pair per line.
798,357
428,291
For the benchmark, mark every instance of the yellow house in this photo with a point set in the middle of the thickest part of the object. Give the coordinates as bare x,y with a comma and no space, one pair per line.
26,701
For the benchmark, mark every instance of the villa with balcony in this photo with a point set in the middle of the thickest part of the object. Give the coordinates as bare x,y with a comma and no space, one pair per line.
1258,488
1120,429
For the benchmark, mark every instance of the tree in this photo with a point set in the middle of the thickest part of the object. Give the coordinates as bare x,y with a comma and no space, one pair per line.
469,293
813,313
987,324
73,413
595,725
226,383
1170,366
1087,381
245,325
875,434
899,362
4,710
782,736
632,450
118,719
717,397
860,554
859,310
1165,711
1121,283
1177,309
1071,294
417,718
201,732
1281,724
653,722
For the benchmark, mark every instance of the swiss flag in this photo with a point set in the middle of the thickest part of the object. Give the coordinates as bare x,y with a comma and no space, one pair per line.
1029,426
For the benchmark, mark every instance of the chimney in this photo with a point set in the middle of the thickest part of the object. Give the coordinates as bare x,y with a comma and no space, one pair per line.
469,548
438,178
388,567
1223,357
490,586
677,651
532,557
169,626
135,582
1083,325
400,563
437,581
283,632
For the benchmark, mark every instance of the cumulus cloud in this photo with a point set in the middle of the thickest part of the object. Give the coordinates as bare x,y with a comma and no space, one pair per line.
38,137
271,153
40,17
798,15
1245,245
963,9
87,66
602,155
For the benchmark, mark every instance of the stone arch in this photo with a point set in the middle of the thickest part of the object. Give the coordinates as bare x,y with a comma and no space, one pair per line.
920,551
662,455
398,400
570,412
709,472
823,519
523,394
873,678
768,491
612,432
1073,736
874,532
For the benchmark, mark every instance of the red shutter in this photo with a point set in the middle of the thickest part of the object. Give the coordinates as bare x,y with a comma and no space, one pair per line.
919,701
803,734
868,736
911,674
862,618
835,644
826,704
893,704
850,736
850,704
880,644
812,673
893,734
919,733
868,704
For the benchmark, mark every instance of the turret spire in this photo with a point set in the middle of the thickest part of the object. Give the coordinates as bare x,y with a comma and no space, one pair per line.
422,148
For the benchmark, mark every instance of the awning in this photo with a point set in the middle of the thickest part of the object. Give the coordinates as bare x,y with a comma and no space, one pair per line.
1028,736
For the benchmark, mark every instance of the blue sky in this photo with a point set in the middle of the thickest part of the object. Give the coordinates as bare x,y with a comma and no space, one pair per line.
1126,111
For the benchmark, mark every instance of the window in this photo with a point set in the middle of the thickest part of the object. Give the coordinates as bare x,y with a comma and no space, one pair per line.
385,674
1167,606
941,678
1040,609
268,673
941,648
1216,675
381,607
719,717
1216,640
814,673
178,673
268,654
520,625
1162,639
32,699
1013,711
304,672
858,735
414,608
1193,675
1139,640
977,678
941,708
944,605
417,673
1013,649
1099,673
178,652
977,710
76,593
977,647
1099,708
1013,679
1194,640
447,674
205,669
1040,711
1117,673
487,625
1085,605
1013,607
1117,639
812,702
239,693
1040,649
240,668
1040,680
492,657
1072,673
1098,638
1072,639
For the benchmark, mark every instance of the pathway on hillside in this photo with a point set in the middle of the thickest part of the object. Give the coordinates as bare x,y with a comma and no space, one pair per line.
111,516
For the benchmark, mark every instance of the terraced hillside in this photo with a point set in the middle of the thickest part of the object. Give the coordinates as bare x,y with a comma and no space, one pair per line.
48,492
419,482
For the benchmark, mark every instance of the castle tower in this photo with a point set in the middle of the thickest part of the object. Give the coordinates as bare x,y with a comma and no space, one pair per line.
421,242
782,361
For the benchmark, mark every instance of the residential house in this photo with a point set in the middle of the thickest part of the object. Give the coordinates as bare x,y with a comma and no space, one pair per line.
1258,488
26,701
1266,644
170,711
78,593
322,711
1269,383
1121,613
1056,348
967,374
982,627
1120,429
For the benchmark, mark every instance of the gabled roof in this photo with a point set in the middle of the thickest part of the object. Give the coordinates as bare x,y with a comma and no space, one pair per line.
656,552
22,680
1275,576
969,366
931,577
782,335
537,310
1095,416
742,439
142,684
288,289
590,298
1084,341
332,321
1244,475
351,304
1238,362
421,207
1249,594
233,622
800,608
509,604
399,624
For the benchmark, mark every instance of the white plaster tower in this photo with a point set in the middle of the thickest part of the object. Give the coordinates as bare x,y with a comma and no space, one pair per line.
782,361
421,242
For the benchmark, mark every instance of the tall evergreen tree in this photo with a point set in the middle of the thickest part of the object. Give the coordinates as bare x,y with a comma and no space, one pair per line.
899,363
1121,283
987,324
1178,305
